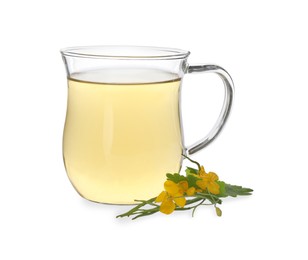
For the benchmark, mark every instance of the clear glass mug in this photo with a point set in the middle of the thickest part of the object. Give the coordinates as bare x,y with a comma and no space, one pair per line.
123,129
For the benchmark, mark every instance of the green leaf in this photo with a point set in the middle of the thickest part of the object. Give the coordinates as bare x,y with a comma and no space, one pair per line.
235,190
190,170
222,189
175,177
191,175
192,179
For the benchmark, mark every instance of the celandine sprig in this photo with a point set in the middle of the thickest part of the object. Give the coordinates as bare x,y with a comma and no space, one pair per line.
188,192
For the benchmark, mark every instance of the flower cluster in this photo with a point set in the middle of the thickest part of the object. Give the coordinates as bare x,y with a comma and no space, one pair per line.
175,193
195,189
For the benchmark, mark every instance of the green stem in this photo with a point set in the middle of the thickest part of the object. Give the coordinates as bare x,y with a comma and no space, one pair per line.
214,198
199,166
133,210
143,215
138,212
148,202
193,212
191,202
188,202
146,212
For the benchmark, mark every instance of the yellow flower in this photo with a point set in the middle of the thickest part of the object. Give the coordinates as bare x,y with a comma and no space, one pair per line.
191,191
208,181
172,195
202,172
183,185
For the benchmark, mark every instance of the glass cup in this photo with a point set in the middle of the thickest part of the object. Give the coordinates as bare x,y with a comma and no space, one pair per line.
123,129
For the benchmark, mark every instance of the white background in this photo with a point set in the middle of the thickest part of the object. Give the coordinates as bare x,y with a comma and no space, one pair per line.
263,45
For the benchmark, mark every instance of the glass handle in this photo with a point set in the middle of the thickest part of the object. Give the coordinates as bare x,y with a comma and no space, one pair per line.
225,111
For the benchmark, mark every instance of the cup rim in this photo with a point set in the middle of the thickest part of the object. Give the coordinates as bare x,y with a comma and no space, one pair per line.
125,52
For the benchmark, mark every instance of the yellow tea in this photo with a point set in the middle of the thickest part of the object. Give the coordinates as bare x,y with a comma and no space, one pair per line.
120,139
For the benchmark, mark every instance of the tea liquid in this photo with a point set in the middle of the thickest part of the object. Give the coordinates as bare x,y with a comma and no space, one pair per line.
120,139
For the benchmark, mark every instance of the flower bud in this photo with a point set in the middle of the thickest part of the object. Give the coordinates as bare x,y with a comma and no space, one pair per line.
218,211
